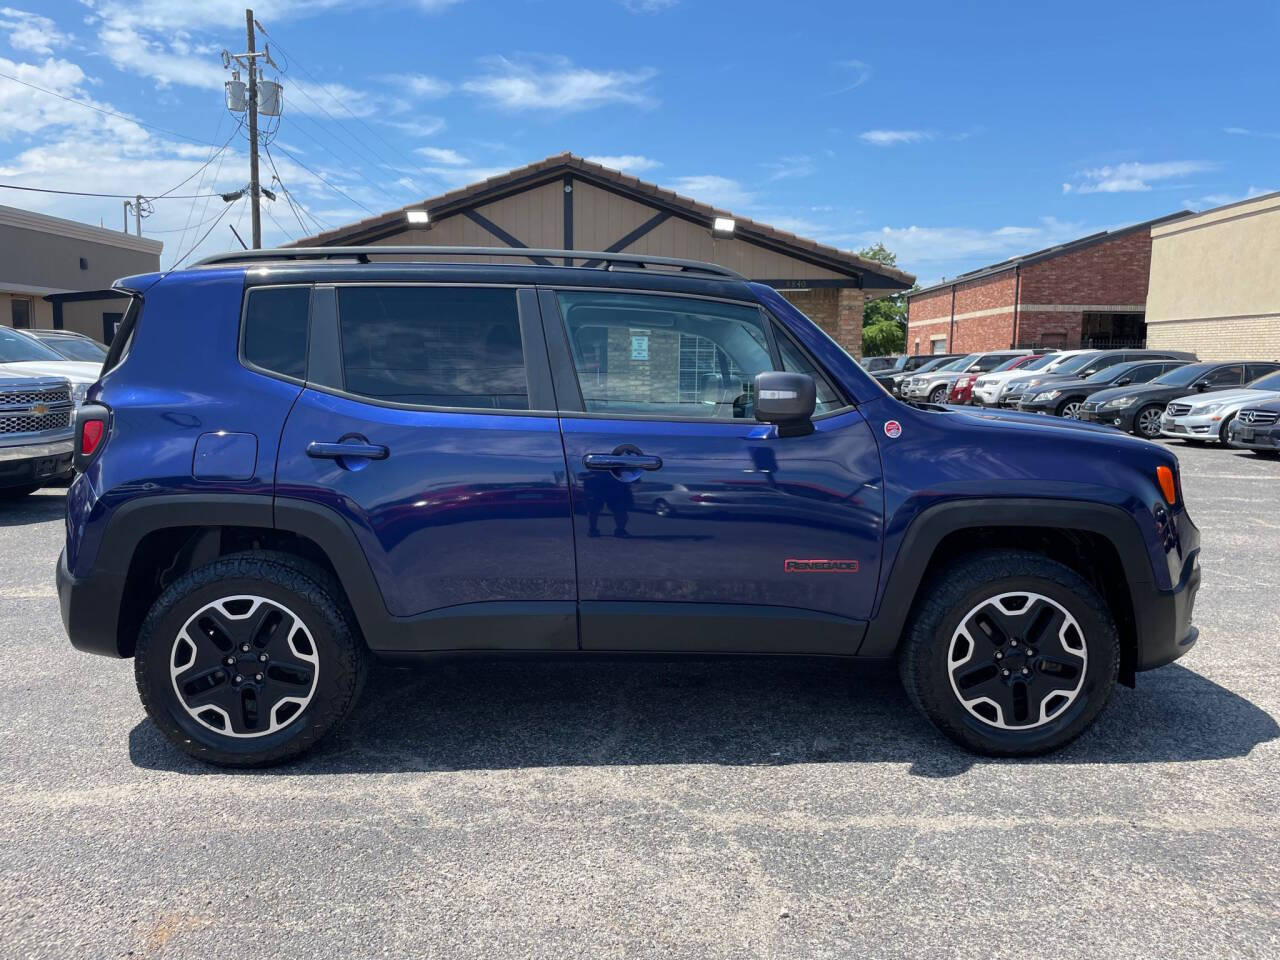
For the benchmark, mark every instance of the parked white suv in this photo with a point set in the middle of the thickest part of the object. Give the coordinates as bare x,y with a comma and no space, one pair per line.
986,389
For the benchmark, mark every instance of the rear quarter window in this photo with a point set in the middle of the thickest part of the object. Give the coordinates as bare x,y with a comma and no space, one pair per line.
275,329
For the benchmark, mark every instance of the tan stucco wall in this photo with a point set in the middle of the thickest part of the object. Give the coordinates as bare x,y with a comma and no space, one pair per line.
1215,285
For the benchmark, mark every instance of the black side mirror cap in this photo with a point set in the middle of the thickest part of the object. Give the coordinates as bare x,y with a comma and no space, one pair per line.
786,400
1124,381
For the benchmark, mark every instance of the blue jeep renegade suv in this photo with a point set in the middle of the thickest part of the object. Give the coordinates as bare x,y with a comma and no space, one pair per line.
299,459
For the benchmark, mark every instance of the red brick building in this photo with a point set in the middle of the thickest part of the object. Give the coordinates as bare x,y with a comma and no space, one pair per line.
1091,292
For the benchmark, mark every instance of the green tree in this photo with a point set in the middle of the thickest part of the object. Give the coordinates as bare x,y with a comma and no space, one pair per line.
884,337
884,321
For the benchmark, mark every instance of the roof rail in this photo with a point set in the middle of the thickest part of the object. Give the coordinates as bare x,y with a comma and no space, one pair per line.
595,258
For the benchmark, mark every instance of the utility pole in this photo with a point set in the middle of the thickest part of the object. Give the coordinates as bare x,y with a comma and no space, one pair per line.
255,199
137,214
242,98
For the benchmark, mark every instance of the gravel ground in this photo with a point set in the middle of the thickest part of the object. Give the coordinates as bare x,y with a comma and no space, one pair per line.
482,809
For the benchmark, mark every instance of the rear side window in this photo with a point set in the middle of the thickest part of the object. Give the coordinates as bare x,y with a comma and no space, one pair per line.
433,346
275,329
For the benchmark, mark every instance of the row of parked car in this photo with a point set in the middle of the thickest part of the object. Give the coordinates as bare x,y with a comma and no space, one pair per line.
1150,393
44,375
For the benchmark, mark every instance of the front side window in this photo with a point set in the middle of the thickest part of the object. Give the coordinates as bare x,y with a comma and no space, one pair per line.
1226,376
662,356
794,361
275,329
433,346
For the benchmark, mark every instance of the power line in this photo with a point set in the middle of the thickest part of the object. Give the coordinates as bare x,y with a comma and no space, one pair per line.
360,120
271,217
288,197
103,110
202,166
200,184
178,262
326,182
111,196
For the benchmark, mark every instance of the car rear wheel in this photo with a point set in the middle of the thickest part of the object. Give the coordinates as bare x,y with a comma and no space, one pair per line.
1011,654
249,660
1146,423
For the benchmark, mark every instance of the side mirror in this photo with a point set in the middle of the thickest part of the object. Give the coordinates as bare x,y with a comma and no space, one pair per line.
1124,381
786,400
1202,386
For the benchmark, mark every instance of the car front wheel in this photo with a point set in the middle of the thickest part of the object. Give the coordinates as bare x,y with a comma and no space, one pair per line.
1070,409
939,395
249,660
1011,654
1146,423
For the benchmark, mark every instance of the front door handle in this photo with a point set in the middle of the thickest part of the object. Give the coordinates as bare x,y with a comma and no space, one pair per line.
336,451
626,461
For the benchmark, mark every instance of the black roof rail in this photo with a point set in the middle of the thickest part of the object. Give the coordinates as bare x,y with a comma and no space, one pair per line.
596,259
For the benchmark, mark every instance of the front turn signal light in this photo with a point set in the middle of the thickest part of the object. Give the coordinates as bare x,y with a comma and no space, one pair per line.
1167,485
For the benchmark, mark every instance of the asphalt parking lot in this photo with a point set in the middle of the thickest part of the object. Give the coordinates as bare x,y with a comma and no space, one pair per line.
491,809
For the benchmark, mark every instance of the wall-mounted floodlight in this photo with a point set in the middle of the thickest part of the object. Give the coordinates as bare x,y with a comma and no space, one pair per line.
417,216
723,226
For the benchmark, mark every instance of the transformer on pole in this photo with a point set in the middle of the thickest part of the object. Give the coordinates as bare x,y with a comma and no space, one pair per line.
257,96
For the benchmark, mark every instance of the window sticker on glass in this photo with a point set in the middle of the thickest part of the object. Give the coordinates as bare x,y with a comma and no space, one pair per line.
639,344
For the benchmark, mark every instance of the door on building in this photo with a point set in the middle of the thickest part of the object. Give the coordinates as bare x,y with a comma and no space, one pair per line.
1107,331
20,308
685,509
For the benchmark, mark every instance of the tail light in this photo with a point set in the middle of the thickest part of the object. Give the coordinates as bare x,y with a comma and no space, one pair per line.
90,433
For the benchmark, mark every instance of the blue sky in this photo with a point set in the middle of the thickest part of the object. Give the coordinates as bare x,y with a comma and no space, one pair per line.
959,134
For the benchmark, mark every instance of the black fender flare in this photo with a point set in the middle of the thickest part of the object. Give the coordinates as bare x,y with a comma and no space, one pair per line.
928,529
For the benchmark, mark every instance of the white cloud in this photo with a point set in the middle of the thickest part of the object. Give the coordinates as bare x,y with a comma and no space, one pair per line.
1133,177
919,247
790,168
1222,199
714,190
30,31
421,85
626,162
889,138
443,155
421,126
649,6
1246,132
554,83
856,73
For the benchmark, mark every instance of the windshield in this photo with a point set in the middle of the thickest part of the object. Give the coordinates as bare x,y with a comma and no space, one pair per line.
1078,362
1110,374
76,348
1040,362
16,347
1009,364
961,363
1269,382
1184,375
933,364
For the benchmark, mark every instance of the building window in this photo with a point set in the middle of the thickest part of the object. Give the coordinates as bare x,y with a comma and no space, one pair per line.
938,344
21,307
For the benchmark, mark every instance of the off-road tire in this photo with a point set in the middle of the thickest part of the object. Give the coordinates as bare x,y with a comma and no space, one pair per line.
305,589
944,602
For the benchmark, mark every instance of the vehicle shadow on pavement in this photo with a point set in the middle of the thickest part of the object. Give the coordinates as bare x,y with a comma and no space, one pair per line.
486,714
39,507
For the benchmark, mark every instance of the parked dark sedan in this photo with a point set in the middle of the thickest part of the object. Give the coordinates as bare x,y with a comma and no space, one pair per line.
1257,428
1137,409
1063,398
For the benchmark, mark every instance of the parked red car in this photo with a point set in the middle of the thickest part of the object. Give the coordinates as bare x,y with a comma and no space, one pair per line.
962,389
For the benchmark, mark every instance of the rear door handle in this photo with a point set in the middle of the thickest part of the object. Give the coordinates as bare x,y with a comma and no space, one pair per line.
335,451
613,461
